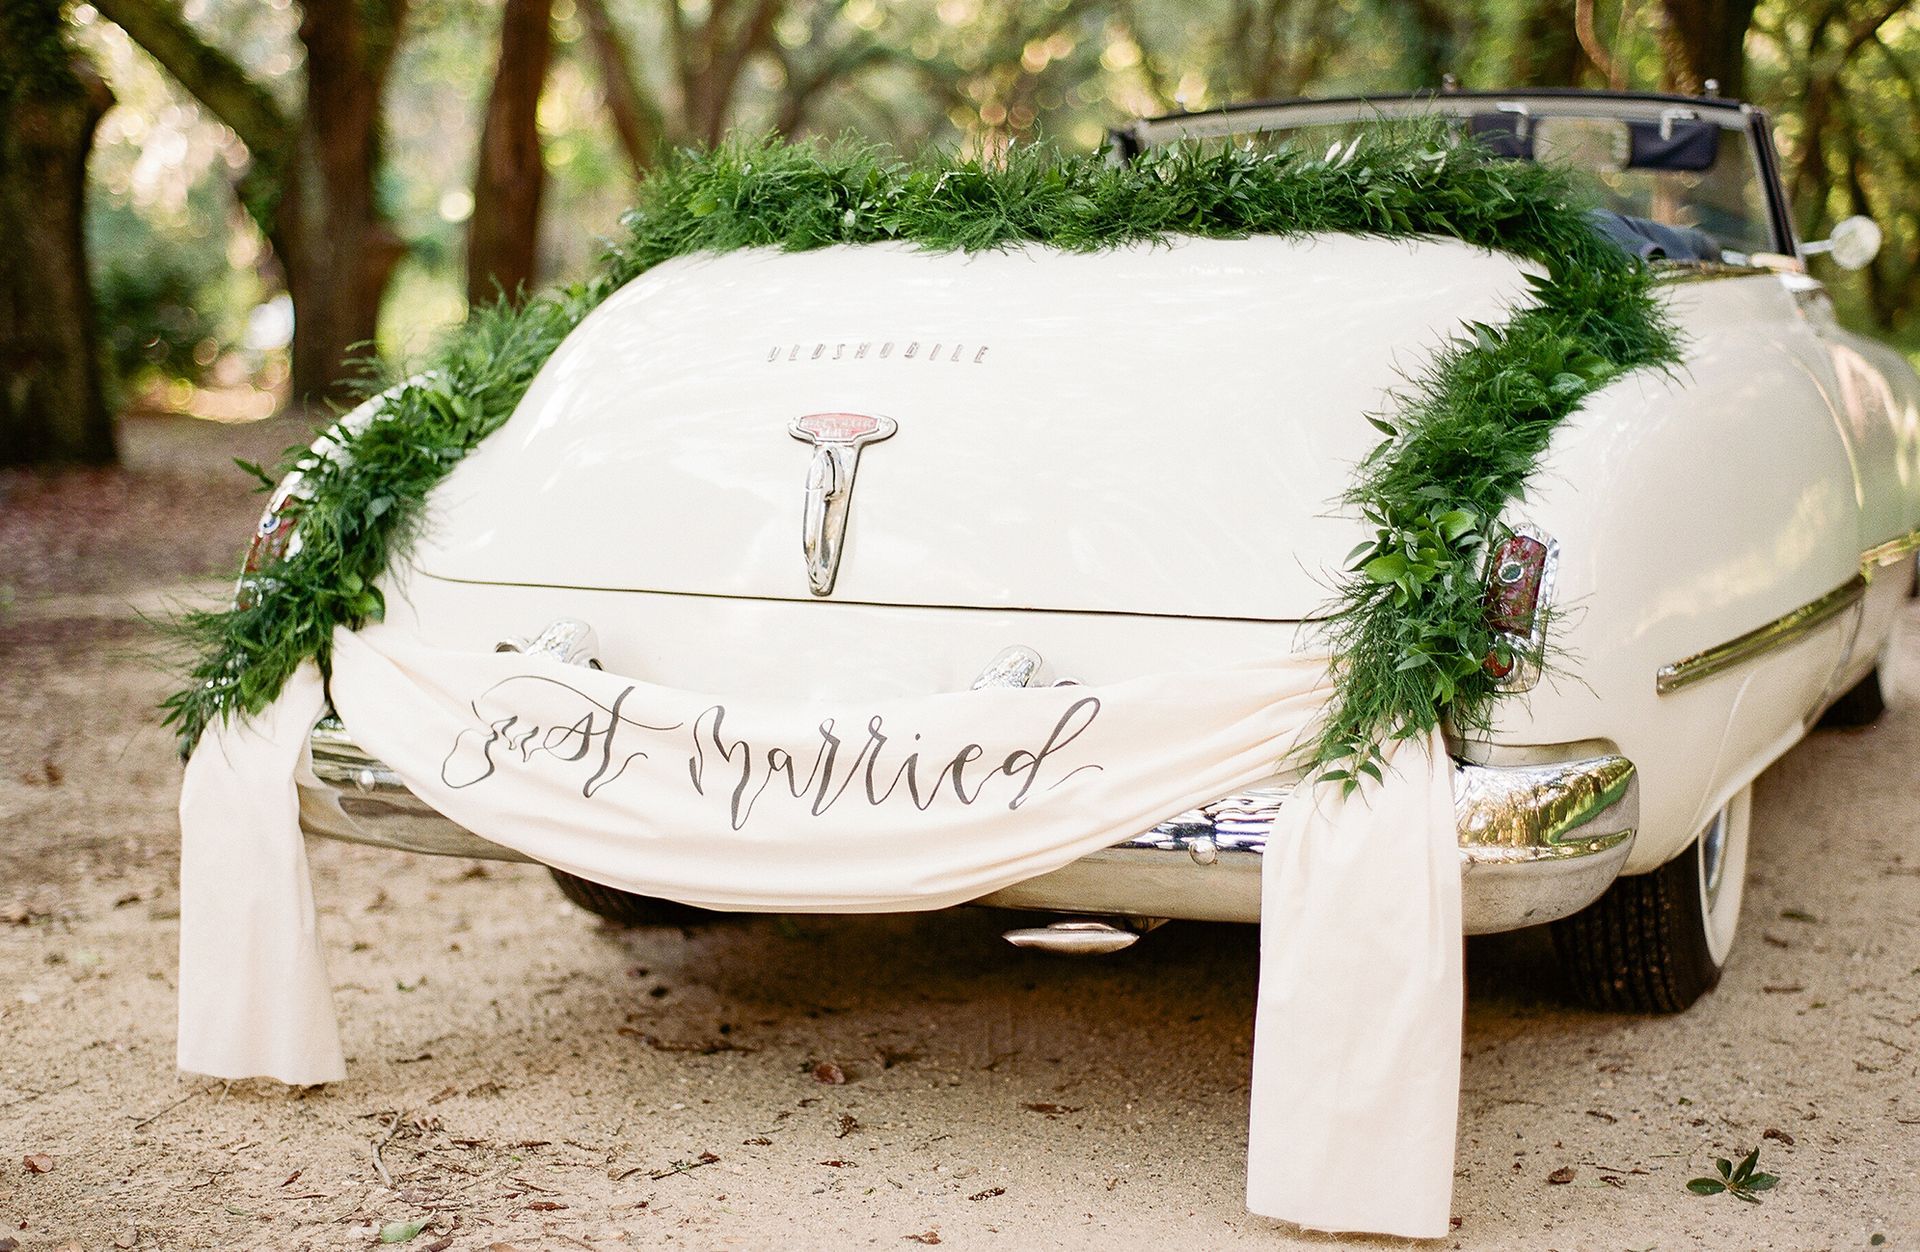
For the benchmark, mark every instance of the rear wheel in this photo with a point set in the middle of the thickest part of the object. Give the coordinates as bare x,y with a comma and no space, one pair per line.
1655,943
1862,705
623,908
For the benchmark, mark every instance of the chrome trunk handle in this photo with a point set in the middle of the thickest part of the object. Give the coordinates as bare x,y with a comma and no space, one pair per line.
837,439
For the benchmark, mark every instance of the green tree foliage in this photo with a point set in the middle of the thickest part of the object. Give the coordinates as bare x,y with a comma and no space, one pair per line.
1840,78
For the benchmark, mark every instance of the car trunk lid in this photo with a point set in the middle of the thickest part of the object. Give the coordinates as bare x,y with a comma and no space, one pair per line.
1159,429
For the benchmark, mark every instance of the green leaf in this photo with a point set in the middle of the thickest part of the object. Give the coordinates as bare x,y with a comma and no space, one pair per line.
1386,569
1745,1168
1706,1186
1725,1166
402,1232
1762,1182
267,481
1456,523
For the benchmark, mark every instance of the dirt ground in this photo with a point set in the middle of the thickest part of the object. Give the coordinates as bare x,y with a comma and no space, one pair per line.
521,1075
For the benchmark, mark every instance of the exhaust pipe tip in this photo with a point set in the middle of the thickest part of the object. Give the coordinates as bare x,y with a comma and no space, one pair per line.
1083,936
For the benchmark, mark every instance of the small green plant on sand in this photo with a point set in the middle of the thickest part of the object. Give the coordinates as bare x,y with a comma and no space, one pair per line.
1742,1181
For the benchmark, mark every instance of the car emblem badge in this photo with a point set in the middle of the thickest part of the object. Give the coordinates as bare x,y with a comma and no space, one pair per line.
837,439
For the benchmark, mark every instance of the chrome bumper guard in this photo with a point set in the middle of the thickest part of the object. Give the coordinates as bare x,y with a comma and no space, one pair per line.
1537,842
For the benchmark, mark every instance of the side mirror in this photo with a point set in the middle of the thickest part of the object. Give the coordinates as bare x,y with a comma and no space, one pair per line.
1853,244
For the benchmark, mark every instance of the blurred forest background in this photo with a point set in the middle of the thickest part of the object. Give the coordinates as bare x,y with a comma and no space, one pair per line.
261,184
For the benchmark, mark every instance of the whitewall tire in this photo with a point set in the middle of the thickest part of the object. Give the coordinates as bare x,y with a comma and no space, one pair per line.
1655,943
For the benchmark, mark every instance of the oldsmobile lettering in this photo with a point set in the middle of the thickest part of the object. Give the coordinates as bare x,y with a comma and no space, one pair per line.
869,350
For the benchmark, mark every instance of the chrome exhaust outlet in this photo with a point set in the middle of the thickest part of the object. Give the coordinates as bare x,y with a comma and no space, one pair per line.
1084,936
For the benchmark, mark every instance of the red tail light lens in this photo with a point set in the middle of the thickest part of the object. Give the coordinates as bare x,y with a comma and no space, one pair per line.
1519,587
276,537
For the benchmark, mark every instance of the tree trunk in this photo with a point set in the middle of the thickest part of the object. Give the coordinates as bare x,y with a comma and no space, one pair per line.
1707,39
1431,48
637,123
52,404
311,180
509,176
1546,50
336,245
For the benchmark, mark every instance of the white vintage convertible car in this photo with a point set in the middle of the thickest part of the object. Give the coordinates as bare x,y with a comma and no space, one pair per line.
1070,468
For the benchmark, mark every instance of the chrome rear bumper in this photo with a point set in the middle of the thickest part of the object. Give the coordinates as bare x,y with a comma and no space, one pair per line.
1537,842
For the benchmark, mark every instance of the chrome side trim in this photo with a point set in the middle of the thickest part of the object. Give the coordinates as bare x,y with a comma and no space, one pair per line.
1890,551
1789,627
1778,633
1673,273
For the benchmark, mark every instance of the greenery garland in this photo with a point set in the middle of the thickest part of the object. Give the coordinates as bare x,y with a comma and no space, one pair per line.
1407,629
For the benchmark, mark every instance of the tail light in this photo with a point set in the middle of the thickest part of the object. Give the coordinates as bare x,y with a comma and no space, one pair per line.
276,537
1519,596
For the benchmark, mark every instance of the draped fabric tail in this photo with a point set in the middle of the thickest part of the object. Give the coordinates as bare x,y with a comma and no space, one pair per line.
255,998
1357,1033
1356,1055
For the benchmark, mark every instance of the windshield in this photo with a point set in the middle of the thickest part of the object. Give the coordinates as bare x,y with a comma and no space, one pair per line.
1668,166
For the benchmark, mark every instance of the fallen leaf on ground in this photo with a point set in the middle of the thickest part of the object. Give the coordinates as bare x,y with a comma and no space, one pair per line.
37,1163
545,1206
1774,1132
441,1244
401,1232
931,1236
988,1194
829,1073
1051,1110
681,1167
1562,1175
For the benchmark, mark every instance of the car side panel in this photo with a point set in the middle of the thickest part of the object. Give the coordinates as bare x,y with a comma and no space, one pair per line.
1691,509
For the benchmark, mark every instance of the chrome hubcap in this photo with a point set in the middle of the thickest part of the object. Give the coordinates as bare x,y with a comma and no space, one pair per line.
1713,858
1722,849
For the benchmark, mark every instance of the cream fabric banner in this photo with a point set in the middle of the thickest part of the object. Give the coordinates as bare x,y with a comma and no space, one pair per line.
865,806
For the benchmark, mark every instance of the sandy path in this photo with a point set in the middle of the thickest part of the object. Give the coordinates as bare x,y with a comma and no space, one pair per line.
534,1079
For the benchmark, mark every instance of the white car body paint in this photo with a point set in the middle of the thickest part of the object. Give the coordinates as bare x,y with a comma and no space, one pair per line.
1132,461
